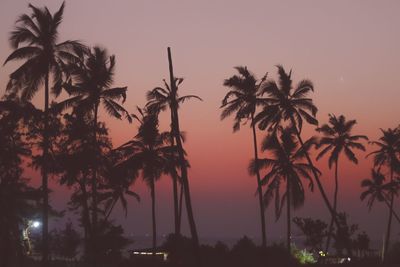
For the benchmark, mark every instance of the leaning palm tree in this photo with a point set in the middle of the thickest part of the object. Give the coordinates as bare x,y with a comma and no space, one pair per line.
176,132
90,86
387,156
35,40
242,100
286,164
376,189
291,105
149,152
337,138
159,99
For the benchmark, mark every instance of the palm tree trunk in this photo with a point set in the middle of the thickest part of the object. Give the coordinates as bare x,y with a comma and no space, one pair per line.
394,213
319,184
387,237
94,190
153,213
86,219
289,230
180,207
176,204
45,219
184,174
175,188
334,205
259,185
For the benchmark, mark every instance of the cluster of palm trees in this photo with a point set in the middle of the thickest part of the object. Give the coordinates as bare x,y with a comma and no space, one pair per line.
279,109
383,184
74,144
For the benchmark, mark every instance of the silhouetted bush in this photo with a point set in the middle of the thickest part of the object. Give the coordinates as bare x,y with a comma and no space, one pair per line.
393,256
180,250
243,254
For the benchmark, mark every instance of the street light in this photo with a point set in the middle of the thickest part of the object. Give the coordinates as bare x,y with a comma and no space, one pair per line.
35,224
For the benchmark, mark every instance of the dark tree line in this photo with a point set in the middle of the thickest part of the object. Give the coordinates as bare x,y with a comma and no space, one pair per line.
67,141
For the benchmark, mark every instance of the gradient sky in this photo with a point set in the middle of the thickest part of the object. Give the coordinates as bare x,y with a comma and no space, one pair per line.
349,49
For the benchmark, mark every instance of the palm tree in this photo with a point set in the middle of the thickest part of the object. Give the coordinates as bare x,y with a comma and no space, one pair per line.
288,105
376,189
159,99
35,39
243,99
173,103
91,85
118,188
337,138
387,155
149,152
285,165
181,155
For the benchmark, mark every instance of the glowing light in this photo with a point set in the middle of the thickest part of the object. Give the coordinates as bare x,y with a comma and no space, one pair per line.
164,254
35,224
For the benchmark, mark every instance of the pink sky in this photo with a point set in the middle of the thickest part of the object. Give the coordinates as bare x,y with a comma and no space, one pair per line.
349,49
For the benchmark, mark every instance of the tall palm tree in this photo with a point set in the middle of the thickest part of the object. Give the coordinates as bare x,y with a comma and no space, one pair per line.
286,164
174,101
35,40
291,105
149,152
244,97
387,155
376,189
90,86
337,138
159,99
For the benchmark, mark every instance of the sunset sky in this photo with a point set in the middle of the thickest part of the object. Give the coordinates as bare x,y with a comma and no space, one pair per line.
349,49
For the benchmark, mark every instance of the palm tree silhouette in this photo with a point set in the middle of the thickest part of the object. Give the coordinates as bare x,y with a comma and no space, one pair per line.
45,58
285,165
243,99
387,155
288,105
376,189
159,99
117,189
91,85
149,152
337,138
176,132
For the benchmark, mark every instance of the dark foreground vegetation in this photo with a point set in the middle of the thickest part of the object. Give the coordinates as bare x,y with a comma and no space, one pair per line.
181,252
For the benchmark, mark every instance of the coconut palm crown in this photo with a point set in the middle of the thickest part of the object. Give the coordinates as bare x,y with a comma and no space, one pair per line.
286,103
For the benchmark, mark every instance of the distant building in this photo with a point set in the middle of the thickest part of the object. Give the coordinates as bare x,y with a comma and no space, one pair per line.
141,255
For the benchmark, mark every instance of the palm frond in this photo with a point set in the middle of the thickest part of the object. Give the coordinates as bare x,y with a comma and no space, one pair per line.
27,52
